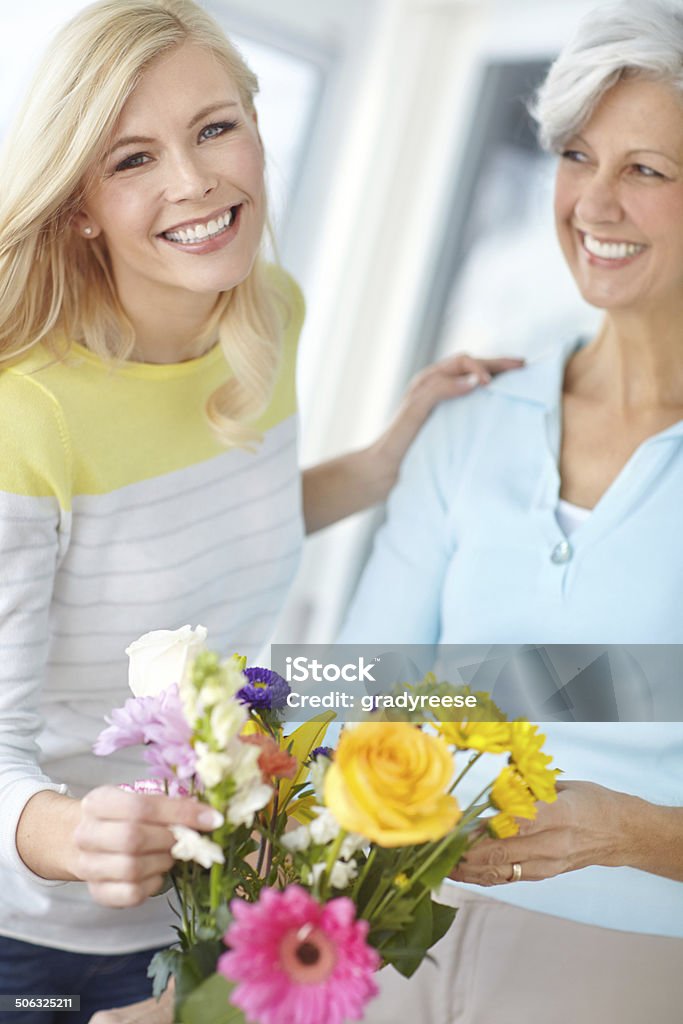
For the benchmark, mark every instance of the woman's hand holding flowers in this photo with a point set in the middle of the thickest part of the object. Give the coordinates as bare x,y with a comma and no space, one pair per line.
123,841
586,825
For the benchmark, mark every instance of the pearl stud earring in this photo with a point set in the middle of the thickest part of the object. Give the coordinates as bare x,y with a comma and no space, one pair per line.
87,231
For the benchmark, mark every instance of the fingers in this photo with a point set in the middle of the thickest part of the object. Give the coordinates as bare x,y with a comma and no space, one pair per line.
113,804
123,842
125,868
125,894
128,837
150,1011
541,854
501,874
484,368
502,364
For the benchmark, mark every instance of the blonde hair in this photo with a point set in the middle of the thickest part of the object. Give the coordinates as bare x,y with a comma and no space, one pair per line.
54,286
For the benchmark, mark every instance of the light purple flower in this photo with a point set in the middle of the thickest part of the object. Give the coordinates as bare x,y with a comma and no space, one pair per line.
128,725
159,723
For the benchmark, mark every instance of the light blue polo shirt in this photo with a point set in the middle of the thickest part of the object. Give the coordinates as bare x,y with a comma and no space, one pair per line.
472,553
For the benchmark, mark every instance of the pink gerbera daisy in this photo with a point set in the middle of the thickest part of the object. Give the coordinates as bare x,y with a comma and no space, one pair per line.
297,961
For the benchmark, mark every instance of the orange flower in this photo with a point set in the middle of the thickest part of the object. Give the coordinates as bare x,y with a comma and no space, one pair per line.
272,761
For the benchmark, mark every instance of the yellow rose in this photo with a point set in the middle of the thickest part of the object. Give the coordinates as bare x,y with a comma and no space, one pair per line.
389,781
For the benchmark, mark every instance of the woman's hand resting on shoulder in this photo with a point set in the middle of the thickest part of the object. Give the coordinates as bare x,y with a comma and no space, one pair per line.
356,481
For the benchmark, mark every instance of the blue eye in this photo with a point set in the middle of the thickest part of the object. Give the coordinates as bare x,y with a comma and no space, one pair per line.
136,160
214,131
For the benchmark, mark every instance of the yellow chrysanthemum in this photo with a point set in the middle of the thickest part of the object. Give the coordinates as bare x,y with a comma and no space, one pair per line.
488,737
503,825
511,794
531,762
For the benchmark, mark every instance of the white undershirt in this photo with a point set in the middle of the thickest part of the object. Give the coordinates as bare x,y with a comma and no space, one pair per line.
570,516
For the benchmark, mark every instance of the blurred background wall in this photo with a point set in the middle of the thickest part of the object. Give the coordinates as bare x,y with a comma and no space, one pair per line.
410,199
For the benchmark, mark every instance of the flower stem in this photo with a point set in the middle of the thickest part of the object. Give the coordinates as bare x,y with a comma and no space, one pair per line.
215,887
472,760
473,804
273,824
332,855
363,874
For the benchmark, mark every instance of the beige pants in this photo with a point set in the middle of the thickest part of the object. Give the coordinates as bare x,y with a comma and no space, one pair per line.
502,965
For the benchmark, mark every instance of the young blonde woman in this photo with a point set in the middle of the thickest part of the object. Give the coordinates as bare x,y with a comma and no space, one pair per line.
148,473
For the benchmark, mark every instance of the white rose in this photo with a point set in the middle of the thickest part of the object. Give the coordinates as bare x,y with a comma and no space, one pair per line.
160,658
191,845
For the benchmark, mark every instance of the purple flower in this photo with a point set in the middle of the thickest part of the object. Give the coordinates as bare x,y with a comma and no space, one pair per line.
317,752
128,725
266,690
159,723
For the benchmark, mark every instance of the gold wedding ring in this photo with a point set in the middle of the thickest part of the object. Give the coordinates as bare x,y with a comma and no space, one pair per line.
516,872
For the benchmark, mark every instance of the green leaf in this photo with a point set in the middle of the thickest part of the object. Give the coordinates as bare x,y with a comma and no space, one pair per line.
204,956
187,975
407,949
300,744
161,967
210,1004
442,919
445,862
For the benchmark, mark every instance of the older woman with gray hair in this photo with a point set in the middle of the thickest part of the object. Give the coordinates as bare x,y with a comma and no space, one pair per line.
547,510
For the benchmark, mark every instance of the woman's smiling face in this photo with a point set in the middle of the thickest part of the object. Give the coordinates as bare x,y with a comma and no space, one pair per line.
179,197
619,199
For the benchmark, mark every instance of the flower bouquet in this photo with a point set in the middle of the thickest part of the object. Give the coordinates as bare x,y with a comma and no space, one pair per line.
323,863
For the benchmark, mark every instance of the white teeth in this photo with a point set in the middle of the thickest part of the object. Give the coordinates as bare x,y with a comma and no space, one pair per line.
200,232
610,250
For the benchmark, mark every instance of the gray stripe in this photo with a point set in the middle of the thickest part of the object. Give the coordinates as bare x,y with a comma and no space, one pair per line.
185,561
145,538
188,593
52,519
87,664
201,612
21,548
227,476
127,633
14,612
20,646
26,579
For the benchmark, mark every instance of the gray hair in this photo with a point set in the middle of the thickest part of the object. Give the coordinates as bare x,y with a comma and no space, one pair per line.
623,39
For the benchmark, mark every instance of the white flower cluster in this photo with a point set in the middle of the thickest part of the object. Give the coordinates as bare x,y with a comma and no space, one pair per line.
323,830
165,656
191,845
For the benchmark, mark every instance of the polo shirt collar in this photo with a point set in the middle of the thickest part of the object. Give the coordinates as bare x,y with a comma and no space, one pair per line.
540,382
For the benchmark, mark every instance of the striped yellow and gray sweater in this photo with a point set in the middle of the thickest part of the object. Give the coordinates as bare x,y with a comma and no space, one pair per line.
120,513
